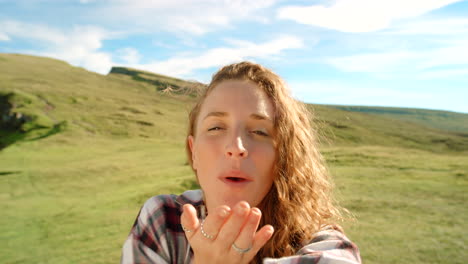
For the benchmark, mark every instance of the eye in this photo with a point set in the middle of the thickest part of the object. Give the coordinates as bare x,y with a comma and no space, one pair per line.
260,133
215,129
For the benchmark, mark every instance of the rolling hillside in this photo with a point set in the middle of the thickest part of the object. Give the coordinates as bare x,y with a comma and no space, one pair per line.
52,96
55,96
443,120
80,152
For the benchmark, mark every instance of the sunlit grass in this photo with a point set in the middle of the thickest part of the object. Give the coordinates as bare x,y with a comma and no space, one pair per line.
72,196
405,201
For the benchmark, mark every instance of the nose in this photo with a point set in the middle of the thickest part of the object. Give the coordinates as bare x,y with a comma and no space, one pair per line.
236,149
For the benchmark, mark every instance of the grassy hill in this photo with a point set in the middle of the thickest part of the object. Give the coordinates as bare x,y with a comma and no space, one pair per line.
345,127
89,104
81,152
443,120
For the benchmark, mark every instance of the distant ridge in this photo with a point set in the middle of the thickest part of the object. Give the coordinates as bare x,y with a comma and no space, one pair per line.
164,84
444,120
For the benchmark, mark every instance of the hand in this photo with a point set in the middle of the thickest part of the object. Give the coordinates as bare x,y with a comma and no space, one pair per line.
213,242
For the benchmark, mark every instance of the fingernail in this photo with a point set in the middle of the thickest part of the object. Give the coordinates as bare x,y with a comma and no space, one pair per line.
270,231
242,207
223,212
256,211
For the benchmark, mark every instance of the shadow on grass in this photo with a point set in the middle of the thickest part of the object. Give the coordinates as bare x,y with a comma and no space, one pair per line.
10,137
3,173
57,128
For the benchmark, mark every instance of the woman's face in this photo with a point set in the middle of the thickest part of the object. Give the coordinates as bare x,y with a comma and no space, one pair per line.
233,151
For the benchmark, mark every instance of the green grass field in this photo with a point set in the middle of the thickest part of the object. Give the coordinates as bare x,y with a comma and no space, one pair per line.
99,146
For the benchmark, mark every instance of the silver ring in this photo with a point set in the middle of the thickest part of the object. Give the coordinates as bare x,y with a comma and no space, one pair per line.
203,231
186,229
241,250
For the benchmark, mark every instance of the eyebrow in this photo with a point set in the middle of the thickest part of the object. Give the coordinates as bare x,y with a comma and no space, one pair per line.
224,114
260,117
215,114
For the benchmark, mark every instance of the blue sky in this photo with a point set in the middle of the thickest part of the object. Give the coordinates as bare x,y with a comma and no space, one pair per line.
403,53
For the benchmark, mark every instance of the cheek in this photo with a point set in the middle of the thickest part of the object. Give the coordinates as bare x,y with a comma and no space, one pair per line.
206,154
269,153
265,158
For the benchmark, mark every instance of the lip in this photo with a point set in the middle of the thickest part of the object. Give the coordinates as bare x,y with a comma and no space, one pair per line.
224,177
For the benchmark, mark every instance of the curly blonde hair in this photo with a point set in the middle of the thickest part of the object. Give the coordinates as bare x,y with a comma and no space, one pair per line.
299,202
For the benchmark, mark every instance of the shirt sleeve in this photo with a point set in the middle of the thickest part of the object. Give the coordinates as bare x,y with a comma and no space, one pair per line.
329,246
146,241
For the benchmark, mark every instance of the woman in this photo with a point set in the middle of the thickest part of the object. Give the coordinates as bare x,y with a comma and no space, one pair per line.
255,157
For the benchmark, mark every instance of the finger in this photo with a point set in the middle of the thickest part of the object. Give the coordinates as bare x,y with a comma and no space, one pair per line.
209,228
233,225
189,220
246,236
260,239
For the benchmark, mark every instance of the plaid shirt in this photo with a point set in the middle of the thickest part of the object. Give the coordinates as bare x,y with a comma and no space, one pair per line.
157,237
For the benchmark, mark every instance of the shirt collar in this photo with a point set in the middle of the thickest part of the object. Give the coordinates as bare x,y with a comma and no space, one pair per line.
193,197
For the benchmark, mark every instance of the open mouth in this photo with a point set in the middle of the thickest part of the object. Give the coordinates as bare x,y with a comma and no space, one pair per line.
235,179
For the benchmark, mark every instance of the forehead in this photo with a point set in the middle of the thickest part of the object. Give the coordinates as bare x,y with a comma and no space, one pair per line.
237,97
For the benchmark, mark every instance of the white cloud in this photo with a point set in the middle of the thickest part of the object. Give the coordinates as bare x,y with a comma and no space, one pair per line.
31,31
443,74
359,15
440,27
129,55
81,46
4,37
412,62
78,46
183,16
423,49
345,93
372,62
162,44
184,65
